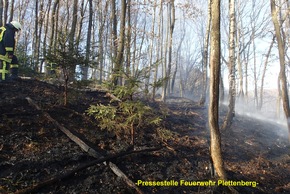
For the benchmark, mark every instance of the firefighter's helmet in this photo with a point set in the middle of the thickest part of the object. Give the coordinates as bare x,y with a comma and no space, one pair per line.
16,25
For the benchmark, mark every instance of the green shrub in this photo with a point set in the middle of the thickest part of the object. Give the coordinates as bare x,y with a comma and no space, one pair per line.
126,115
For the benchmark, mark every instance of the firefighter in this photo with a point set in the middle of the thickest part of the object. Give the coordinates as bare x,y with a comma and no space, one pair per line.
7,48
14,67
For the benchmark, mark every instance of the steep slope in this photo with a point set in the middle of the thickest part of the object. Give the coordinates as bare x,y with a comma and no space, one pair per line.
33,149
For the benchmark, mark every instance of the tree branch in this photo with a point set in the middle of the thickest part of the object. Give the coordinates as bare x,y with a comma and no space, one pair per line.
59,178
92,152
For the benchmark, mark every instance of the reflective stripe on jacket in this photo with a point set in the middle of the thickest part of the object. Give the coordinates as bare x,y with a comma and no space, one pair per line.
14,66
4,71
5,58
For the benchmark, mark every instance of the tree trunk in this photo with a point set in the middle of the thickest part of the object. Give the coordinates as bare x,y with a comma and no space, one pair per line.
159,49
120,51
256,100
6,5
73,45
278,113
178,54
281,48
170,46
128,41
38,24
141,47
164,64
247,81
114,36
1,12
88,43
72,33
40,33
240,68
11,14
174,76
102,19
264,74
54,19
44,42
213,112
232,69
151,48
205,57
35,37
168,52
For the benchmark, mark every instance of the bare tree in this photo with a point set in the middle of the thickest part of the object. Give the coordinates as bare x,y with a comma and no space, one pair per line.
6,5
36,36
89,38
46,28
121,44
205,57
169,45
178,56
213,112
232,67
54,22
159,48
151,48
128,40
11,11
264,73
102,12
114,26
72,36
251,24
1,12
281,48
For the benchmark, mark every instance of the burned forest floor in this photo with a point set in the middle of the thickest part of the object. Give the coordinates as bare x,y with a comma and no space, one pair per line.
34,150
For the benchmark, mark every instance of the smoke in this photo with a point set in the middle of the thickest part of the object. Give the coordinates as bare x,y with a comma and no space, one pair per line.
269,114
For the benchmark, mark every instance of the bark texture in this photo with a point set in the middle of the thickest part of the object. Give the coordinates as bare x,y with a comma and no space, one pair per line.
213,113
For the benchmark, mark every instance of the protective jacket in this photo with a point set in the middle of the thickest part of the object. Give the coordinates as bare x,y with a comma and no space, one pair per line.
7,41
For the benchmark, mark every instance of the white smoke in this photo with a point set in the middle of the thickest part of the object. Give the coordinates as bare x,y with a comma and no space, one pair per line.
269,114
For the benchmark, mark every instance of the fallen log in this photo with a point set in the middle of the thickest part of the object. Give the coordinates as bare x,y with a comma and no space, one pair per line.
86,148
58,178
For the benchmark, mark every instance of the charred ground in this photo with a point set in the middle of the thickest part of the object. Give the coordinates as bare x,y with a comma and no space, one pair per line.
32,149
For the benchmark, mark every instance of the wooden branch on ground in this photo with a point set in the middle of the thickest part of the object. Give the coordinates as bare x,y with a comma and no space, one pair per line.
68,133
58,178
113,97
119,173
88,149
